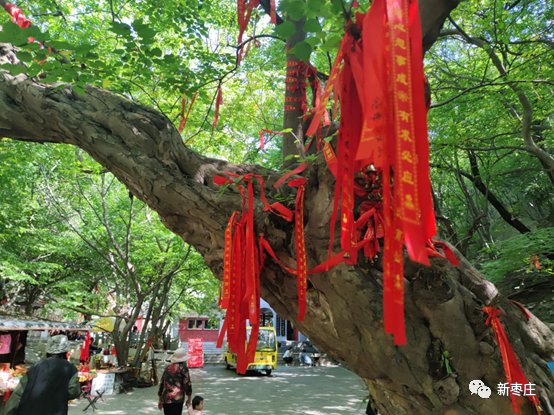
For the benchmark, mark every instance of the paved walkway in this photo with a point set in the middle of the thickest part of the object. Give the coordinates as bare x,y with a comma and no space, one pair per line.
290,390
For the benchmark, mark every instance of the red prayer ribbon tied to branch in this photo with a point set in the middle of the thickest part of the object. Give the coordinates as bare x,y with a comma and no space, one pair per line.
17,16
184,118
378,78
512,368
382,139
244,12
243,259
263,132
218,103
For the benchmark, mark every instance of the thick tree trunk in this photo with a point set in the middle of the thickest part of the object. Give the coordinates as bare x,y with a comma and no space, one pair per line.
443,304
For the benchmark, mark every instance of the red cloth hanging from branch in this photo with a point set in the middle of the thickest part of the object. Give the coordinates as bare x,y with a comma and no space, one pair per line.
301,263
184,118
218,103
383,126
17,15
512,368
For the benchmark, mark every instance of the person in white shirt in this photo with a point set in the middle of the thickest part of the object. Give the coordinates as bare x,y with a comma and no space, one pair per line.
287,356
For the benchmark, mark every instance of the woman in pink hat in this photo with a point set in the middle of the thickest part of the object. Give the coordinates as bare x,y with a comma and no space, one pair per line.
175,385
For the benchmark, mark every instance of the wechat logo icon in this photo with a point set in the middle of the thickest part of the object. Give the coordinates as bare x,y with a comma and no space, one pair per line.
477,387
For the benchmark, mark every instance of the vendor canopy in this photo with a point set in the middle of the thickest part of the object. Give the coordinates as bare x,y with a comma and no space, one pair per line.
18,323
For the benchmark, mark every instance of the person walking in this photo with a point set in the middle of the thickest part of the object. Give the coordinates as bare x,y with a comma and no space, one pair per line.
48,385
175,385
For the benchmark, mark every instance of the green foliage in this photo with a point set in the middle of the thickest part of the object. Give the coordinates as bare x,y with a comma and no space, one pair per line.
63,237
516,255
157,53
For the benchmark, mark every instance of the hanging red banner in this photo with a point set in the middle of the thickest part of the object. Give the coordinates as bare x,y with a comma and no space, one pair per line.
301,263
227,264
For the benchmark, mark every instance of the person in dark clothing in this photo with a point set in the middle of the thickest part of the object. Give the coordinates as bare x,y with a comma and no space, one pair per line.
48,385
175,385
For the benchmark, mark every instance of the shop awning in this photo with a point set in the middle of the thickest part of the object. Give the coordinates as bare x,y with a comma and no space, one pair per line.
18,323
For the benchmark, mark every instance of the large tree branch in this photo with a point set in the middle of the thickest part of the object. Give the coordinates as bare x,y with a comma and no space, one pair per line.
143,149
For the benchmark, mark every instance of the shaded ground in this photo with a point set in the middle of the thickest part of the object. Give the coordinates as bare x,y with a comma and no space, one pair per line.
290,390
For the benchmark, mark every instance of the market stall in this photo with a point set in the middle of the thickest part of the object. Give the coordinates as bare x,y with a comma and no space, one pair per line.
14,339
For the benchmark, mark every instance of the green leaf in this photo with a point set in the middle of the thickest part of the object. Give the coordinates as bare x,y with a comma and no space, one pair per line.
295,9
11,33
14,69
120,28
312,26
302,51
285,29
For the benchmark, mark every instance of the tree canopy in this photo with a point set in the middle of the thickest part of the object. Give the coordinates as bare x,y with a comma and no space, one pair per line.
117,78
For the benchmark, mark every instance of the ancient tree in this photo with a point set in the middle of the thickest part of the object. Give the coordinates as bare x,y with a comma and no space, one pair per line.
144,150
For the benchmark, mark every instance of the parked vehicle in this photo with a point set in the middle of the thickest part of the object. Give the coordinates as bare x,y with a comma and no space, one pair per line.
266,352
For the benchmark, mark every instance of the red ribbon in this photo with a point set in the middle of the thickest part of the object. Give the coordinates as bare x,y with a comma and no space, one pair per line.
263,132
218,103
272,12
244,12
301,263
17,16
184,118
512,368
227,264
447,252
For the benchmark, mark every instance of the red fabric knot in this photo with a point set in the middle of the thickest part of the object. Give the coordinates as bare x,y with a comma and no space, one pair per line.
492,314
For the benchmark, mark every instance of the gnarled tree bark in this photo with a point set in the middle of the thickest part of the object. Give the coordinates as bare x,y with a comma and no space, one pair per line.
443,304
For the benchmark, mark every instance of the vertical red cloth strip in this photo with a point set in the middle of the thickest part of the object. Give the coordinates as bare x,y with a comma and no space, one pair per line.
301,263
184,118
329,87
272,12
17,16
372,140
85,351
218,103
349,133
420,122
393,284
512,368
227,261
407,195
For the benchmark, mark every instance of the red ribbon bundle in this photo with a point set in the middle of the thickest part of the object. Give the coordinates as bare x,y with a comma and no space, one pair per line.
243,259
241,290
512,368
383,126
17,16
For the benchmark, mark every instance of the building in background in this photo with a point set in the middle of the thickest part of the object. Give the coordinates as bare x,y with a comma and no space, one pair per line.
206,328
